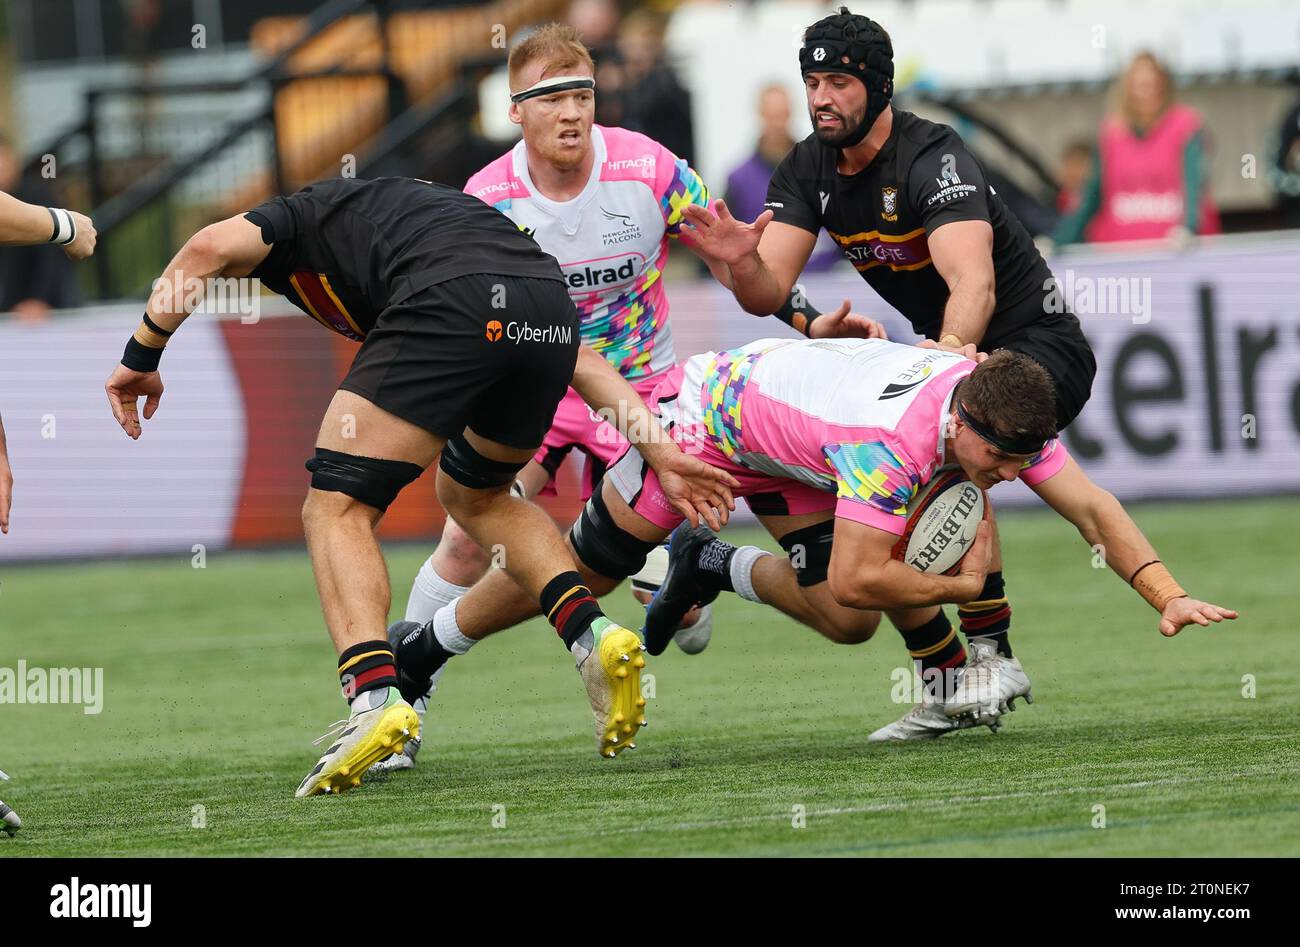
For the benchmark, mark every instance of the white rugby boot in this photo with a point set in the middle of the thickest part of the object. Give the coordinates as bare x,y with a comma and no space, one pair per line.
925,721
380,724
9,821
988,685
608,657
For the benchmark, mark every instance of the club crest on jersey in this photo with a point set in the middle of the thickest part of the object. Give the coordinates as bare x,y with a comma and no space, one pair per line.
889,203
624,229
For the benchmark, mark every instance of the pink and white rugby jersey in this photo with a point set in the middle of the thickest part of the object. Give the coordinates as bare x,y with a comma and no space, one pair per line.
862,417
611,240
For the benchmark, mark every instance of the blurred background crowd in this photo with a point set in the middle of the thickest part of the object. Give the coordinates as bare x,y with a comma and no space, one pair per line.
1097,122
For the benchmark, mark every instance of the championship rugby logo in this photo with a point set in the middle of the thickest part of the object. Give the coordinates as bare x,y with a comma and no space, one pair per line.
889,203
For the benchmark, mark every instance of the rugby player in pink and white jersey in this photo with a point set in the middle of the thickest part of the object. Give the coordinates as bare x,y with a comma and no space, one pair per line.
604,202
840,435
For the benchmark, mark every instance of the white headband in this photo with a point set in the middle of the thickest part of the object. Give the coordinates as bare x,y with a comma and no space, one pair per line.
554,84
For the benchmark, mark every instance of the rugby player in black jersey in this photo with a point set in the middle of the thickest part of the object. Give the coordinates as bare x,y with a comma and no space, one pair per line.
910,207
468,342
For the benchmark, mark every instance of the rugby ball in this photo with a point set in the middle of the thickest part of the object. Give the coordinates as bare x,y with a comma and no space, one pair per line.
941,523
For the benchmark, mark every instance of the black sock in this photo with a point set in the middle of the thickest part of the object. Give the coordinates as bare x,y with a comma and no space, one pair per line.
937,651
713,563
365,667
569,606
989,616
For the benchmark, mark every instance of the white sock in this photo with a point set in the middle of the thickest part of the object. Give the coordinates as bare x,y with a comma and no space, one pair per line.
448,633
430,592
742,571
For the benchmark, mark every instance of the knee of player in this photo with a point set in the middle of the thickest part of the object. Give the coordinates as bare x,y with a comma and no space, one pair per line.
466,502
324,508
607,552
470,483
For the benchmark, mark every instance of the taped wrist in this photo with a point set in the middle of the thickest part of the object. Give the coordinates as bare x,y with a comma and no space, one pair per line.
797,312
1154,583
144,349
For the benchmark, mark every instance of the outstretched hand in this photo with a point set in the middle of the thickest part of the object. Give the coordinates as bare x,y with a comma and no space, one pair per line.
718,235
1181,612
696,489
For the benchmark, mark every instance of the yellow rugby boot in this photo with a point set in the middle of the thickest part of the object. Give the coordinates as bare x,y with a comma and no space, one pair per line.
610,659
380,724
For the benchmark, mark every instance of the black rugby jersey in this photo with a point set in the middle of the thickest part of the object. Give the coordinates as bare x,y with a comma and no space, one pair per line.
923,177
344,250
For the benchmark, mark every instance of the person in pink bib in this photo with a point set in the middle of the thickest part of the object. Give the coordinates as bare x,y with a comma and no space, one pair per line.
1149,177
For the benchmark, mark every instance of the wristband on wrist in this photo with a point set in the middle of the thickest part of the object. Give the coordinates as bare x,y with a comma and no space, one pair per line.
144,349
1154,583
799,317
65,228
955,342
139,357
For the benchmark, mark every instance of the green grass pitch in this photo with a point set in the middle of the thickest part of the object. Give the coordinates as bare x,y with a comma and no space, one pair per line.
217,679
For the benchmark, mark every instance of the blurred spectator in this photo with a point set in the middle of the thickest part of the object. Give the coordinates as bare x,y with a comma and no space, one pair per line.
640,90
747,184
1074,174
1284,173
746,191
33,280
597,24
1150,179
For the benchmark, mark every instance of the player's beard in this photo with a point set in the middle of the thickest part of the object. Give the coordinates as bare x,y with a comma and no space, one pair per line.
566,158
836,137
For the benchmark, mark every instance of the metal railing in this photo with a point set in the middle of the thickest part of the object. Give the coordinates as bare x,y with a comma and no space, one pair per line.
179,165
